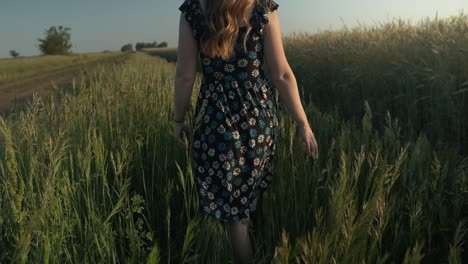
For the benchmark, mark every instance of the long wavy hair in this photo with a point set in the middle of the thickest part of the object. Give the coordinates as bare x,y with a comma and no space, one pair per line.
224,19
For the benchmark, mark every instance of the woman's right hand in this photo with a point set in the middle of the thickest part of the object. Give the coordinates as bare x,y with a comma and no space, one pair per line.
309,139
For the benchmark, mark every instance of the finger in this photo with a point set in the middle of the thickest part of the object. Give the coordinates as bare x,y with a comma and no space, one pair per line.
309,148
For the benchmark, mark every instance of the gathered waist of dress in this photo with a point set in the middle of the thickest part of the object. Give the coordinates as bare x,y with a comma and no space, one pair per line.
231,82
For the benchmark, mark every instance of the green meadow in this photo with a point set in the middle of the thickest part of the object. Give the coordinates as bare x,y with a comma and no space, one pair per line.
92,174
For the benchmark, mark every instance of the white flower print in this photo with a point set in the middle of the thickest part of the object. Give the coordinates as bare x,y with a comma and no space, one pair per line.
255,88
252,143
210,195
254,173
248,96
255,73
201,169
241,161
256,161
235,134
236,171
213,206
244,188
242,63
211,152
255,37
227,165
260,138
222,157
234,210
231,95
244,200
258,48
256,63
252,121
218,75
250,181
229,68
256,111
221,129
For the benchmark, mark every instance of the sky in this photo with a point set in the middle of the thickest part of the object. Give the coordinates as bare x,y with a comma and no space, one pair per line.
98,25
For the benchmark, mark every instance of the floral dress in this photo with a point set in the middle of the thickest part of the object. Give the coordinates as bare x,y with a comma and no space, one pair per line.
236,123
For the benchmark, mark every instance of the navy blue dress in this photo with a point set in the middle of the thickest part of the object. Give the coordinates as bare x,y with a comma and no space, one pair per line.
236,123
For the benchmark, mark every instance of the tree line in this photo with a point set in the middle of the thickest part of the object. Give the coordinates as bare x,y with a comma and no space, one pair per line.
57,41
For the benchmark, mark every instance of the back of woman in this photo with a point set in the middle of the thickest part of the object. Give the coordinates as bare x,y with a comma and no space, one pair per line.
236,124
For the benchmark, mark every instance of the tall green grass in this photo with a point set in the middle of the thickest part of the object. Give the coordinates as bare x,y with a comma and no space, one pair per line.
14,69
93,174
417,71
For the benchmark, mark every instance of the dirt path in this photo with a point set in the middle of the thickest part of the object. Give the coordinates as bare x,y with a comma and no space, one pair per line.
21,91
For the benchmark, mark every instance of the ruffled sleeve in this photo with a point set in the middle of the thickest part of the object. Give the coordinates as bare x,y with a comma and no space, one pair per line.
191,12
266,7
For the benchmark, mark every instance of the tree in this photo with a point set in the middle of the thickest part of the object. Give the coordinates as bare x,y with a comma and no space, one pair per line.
162,45
127,47
56,41
14,53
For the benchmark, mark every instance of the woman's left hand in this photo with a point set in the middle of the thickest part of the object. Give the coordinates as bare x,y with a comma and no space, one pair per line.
180,133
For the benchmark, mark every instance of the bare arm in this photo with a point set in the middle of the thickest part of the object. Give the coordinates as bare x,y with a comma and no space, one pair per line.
281,74
185,69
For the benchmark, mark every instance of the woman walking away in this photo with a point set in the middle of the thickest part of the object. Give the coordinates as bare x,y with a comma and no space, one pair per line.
236,123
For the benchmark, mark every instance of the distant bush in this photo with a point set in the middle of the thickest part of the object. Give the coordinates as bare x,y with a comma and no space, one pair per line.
127,47
14,53
162,45
56,41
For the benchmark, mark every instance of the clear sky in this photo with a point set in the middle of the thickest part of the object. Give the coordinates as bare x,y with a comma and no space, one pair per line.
98,25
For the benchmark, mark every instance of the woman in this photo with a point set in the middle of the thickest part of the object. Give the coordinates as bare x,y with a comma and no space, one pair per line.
236,123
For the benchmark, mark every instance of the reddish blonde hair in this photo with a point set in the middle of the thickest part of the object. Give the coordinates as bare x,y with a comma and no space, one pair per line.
224,18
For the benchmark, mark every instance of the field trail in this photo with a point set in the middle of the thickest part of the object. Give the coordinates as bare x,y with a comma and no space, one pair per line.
21,91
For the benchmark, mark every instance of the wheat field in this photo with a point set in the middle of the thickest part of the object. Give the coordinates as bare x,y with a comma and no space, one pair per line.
93,174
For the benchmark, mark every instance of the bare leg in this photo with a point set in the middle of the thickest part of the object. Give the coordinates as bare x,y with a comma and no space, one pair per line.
240,241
